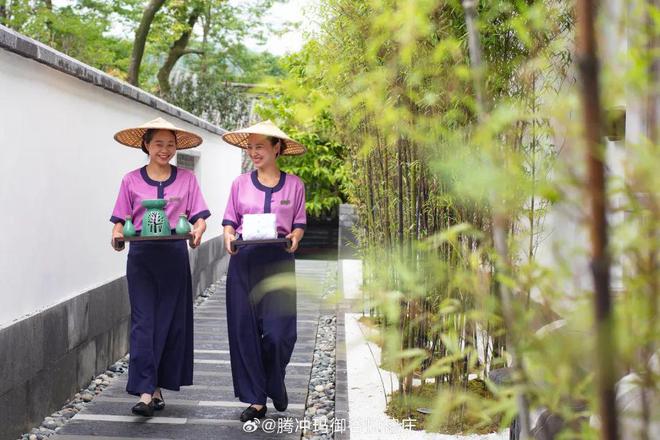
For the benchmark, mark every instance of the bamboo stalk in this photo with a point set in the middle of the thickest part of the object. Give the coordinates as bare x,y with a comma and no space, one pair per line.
600,263
500,223
650,266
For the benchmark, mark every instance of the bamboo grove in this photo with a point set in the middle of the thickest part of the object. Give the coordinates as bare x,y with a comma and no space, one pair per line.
460,123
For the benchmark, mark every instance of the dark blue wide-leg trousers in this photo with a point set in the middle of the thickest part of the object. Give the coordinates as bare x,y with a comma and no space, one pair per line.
161,338
261,321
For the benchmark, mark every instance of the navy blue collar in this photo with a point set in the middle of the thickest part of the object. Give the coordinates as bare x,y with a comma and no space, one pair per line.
260,186
150,181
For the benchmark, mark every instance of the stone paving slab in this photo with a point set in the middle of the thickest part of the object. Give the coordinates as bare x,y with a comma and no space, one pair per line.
207,392
215,377
212,344
294,370
209,410
188,428
222,410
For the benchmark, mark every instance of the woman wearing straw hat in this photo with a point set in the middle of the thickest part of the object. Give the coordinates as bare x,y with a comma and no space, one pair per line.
158,272
262,325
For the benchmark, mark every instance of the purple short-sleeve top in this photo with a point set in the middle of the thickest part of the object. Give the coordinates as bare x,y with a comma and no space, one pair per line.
181,191
286,200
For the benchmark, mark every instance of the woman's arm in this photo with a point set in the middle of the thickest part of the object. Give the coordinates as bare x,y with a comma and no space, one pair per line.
123,207
295,236
198,230
117,232
230,235
299,219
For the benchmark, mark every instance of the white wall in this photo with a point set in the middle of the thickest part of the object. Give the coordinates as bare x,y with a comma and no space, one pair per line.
59,176
568,239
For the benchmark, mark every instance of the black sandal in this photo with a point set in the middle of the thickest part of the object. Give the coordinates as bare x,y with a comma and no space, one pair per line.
159,402
281,406
144,409
252,413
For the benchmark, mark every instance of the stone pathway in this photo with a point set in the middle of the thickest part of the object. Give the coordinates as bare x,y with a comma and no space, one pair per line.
208,409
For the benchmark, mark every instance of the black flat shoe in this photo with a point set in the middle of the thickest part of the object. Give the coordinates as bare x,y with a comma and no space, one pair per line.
281,406
159,402
144,409
252,413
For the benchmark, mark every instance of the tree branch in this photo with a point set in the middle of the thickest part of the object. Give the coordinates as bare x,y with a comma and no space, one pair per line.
141,40
177,50
193,51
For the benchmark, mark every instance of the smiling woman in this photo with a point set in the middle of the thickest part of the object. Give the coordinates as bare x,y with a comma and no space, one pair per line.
261,318
159,139
158,272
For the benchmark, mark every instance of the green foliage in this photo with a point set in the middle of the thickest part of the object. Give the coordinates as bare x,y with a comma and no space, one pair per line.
100,33
214,101
323,168
250,67
384,97
405,406
81,30
431,168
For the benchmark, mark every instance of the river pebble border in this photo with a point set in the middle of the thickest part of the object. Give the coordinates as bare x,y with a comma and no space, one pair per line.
53,423
320,408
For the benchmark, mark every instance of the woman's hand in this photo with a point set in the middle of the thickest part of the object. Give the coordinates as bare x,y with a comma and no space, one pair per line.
295,236
117,234
197,231
230,235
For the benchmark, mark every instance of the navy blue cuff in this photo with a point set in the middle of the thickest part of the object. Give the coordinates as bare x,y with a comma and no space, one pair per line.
226,222
204,214
299,226
116,220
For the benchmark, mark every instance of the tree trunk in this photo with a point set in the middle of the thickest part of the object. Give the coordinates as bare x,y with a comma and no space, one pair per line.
49,22
587,61
177,50
208,18
141,40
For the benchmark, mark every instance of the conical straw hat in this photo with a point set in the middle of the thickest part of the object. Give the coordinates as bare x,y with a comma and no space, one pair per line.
239,138
132,137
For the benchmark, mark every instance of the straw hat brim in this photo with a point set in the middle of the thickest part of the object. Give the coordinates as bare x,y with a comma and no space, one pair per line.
132,137
239,138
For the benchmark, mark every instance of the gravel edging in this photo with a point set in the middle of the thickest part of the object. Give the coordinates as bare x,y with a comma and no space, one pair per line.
53,423
320,405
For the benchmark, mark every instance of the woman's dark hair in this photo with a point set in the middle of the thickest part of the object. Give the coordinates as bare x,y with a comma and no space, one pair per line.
274,140
149,135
